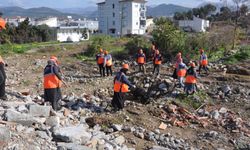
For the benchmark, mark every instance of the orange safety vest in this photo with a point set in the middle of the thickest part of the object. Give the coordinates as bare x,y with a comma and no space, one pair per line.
51,81
100,59
119,86
181,72
109,62
141,59
190,79
203,60
157,61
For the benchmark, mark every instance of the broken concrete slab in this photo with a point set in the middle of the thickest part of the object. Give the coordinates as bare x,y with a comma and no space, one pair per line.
71,146
53,121
75,134
14,116
39,111
5,134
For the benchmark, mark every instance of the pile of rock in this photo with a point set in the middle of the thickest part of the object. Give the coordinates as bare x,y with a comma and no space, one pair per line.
33,126
155,87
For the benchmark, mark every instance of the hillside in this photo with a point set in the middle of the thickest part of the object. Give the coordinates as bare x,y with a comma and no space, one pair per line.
34,12
165,10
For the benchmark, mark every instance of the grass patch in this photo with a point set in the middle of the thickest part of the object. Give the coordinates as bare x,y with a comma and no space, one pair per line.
241,55
22,48
193,101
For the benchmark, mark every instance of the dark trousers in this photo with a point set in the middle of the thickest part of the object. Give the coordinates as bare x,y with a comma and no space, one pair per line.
53,96
109,70
102,70
204,68
118,101
142,68
2,82
156,69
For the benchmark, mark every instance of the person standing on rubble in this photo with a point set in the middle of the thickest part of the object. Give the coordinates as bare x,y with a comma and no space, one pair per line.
157,61
141,60
121,86
181,73
178,60
191,80
2,79
108,62
203,62
100,62
52,83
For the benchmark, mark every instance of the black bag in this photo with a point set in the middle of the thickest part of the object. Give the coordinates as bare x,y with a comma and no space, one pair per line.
141,95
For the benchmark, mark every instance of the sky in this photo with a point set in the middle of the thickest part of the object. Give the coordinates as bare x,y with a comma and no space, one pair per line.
87,3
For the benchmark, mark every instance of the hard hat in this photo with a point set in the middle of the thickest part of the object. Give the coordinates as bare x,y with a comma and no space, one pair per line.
2,23
54,58
192,64
106,52
125,66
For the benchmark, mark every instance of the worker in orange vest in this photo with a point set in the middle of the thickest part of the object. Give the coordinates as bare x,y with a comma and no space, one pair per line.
157,61
191,80
100,62
121,86
141,60
2,23
108,62
181,73
2,79
203,62
178,61
52,83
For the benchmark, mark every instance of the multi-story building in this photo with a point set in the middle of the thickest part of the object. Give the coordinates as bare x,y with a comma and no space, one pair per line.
121,17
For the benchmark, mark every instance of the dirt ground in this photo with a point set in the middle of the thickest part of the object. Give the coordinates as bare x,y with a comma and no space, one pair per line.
25,73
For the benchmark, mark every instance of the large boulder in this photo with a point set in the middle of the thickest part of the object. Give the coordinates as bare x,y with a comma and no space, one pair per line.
24,119
39,111
76,134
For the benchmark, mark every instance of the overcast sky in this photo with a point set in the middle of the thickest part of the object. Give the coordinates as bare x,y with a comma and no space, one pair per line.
86,3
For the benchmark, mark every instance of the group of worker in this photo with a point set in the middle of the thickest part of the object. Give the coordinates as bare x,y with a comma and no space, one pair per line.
104,61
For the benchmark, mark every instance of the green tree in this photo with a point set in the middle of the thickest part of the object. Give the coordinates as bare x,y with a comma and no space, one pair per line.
168,38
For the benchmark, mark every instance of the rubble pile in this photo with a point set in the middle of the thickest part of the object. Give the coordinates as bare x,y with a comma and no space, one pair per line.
155,87
26,123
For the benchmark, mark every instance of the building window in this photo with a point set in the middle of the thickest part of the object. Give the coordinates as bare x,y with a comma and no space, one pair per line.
113,23
137,23
113,14
113,6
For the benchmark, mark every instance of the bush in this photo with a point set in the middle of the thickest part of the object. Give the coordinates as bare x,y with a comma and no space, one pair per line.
136,43
97,43
241,55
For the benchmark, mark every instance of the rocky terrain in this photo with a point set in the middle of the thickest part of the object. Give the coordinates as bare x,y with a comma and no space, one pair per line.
217,117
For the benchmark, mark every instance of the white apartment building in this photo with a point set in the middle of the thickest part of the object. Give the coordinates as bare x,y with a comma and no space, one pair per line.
196,25
49,21
72,34
121,17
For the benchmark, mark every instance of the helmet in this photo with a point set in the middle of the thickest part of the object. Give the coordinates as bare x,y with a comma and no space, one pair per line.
125,66
192,64
101,50
2,23
54,58
106,52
